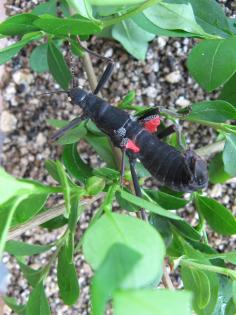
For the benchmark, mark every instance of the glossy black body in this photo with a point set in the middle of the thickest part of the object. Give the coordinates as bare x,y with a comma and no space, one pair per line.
184,172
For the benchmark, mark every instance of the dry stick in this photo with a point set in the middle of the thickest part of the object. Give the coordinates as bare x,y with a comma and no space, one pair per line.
93,82
46,216
211,149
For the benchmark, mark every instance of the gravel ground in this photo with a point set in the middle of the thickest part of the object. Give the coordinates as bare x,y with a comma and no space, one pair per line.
161,79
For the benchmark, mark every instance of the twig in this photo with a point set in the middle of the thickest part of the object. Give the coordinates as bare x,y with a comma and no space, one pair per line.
211,149
166,278
44,217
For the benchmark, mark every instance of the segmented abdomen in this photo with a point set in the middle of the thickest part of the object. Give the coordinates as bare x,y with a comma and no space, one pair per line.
164,162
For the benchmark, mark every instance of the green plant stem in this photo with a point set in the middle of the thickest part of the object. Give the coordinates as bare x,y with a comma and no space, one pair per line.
194,265
117,19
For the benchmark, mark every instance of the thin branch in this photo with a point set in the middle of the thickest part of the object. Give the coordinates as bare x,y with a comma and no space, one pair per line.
46,216
166,278
211,149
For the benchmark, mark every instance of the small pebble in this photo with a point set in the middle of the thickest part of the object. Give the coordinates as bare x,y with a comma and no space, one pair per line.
173,77
183,102
7,121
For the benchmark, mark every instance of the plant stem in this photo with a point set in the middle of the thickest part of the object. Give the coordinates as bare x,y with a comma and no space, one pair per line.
211,149
44,217
191,264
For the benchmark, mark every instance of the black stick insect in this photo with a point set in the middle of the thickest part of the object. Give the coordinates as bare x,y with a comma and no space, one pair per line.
184,172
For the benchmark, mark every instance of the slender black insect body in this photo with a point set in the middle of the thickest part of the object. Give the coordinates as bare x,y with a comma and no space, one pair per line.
184,172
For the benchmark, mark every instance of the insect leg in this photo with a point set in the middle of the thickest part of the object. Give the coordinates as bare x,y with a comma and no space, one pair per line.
72,124
166,132
122,169
108,71
137,189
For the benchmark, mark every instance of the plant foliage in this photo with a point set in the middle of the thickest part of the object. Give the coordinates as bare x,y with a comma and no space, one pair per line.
125,253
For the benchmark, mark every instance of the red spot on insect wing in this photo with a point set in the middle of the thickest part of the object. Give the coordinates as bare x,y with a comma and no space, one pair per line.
132,146
152,124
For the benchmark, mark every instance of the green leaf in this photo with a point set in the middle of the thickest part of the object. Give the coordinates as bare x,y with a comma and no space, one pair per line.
163,226
19,309
56,123
186,230
134,233
33,276
95,185
74,213
203,284
152,302
229,154
142,21
211,17
10,51
74,164
217,216
152,207
65,185
55,223
124,204
229,257
51,167
172,16
77,25
230,308
133,38
103,148
6,220
217,173
229,92
165,200
117,264
28,208
19,24
57,66
67,281
49,7
205,62
38,58
37,303
106,172
73,135
216,111
17,248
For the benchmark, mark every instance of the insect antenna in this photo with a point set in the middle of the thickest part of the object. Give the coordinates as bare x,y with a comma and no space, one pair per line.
54,92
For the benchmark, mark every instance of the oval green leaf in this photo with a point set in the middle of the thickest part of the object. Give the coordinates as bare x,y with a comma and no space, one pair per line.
152,302
38,303
133,38
134,233
229,154
58,66
67,279
217,216
64,26
216,111
205,62
38,59
19,24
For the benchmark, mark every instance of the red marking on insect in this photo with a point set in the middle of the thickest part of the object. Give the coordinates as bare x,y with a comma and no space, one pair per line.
132,146
152,124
